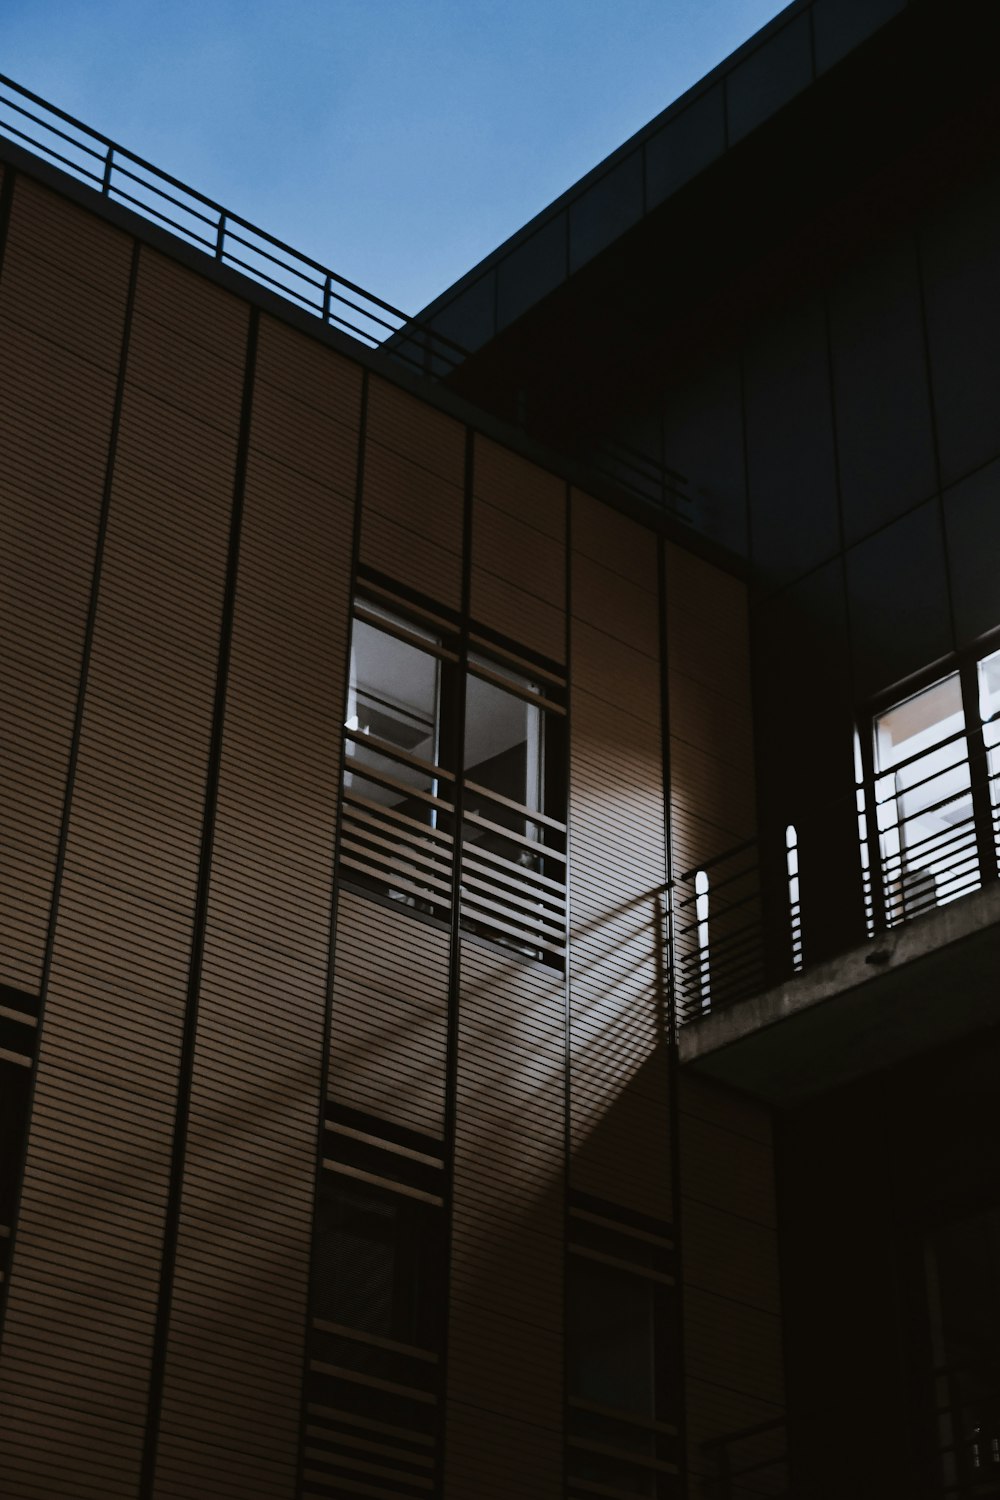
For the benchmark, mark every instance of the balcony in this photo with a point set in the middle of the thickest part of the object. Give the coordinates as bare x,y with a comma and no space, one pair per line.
908,867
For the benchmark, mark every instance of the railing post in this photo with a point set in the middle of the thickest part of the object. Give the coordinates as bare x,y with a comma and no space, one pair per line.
876,873
109,162
220,238
327,294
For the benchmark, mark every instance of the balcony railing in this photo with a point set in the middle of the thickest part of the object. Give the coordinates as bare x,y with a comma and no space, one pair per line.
917,837
122,177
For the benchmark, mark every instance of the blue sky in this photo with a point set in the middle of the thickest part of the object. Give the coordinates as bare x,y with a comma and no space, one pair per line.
397,141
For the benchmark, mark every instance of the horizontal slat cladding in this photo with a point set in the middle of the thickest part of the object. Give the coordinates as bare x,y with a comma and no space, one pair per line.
505,1338
64,263
732,1303
521,489
618,1090
513,611
614,541
496,1457
60,342
519,550
412,519
231,1401
82,1305
390,1015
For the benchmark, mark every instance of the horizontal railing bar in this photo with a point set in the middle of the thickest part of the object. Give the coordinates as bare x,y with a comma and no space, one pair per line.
396,859
520,808
501,899
54,130
382,778
150,212
162,193
492,877
531,927
954,738
421,893
196,204
530,938
375,812
318,283
515,838
476,851
51,151
393,752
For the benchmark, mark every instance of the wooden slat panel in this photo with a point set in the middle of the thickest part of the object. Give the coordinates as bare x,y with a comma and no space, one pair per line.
412,521
618,1091
524,618
521,489
614,541
82,1303
390,1015
231,1400
519,550
60,341
505,1351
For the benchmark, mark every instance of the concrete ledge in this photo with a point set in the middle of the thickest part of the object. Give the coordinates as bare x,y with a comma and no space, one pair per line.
925,983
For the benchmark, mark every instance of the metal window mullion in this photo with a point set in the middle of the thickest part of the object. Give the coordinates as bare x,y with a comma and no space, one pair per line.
979,775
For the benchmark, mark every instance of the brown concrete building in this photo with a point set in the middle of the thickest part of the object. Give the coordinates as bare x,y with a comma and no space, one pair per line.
458,981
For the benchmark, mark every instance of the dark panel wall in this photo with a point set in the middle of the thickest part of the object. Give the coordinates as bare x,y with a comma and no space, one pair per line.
865,1175
733,1351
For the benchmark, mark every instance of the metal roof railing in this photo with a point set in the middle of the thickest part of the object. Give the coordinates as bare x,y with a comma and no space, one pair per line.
122,177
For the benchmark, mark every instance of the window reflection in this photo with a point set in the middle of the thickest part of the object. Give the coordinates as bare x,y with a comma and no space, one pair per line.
503,744
926,835
610,1339
394,691
989,712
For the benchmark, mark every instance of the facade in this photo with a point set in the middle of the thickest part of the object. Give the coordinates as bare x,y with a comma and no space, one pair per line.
499,895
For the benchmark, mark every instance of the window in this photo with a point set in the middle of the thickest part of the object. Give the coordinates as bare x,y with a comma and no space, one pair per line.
936,793
377,1305
18,1025
398,830
622,1370
431,803
513,839
988,673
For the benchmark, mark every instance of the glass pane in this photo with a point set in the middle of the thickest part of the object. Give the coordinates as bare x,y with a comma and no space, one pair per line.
610,1339
503,747
989,710
15,1082
378,1259
926,835
393,691
918,722
394,695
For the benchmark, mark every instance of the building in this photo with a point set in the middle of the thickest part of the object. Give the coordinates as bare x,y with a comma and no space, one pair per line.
500,902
